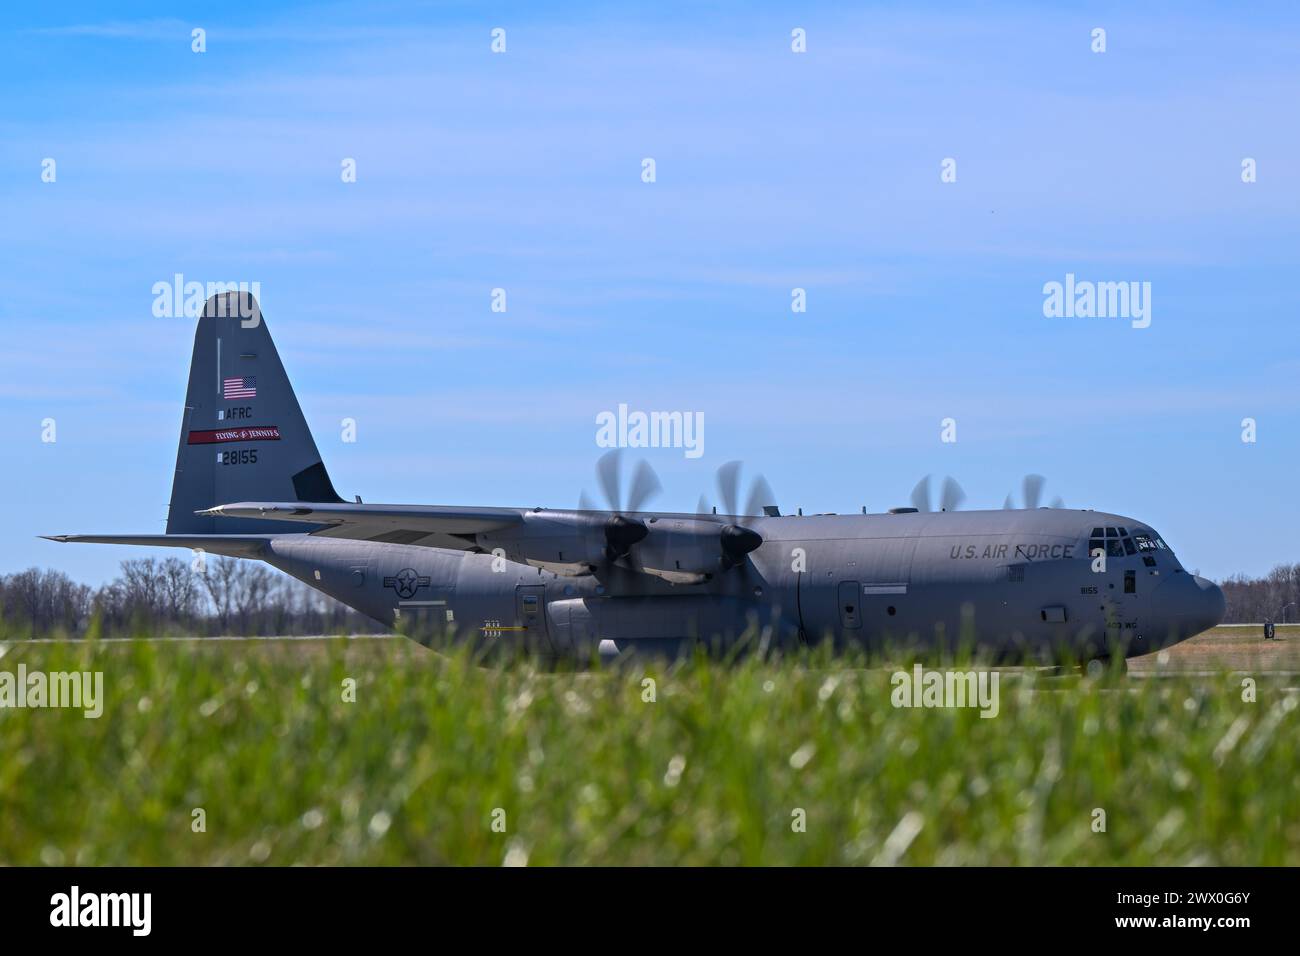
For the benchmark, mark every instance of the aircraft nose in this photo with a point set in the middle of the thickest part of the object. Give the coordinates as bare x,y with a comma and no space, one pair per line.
1215,606
1186,605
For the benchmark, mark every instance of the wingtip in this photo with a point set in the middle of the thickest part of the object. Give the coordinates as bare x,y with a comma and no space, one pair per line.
61,538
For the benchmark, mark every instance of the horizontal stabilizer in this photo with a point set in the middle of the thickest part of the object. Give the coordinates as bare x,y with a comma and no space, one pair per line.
231,545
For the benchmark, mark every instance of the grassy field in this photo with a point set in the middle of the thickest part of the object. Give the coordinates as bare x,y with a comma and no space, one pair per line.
721,767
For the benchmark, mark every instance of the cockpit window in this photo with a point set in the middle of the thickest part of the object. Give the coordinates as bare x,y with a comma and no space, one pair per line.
1148,542
1116,542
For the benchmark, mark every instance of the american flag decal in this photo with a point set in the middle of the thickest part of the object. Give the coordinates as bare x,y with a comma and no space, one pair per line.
245,387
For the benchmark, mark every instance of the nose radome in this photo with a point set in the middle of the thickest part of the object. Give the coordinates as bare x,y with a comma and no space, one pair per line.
1214,605
1185,605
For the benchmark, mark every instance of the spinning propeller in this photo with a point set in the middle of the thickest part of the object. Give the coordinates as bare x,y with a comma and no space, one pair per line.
623,529
1033,493
682,550
736,540
950,496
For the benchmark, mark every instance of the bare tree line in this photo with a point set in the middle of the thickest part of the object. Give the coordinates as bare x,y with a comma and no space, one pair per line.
1274,597
228,596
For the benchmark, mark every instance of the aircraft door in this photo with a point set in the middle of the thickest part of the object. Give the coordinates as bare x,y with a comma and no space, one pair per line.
1122,609
850,605
1114,626
530,615
423,621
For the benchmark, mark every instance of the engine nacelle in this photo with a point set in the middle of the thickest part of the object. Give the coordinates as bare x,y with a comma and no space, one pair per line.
567,542
681,549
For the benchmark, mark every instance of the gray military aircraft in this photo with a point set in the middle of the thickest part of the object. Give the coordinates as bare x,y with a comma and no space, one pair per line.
1049,583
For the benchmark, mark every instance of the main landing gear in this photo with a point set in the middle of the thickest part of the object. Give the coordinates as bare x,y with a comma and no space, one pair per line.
1100,667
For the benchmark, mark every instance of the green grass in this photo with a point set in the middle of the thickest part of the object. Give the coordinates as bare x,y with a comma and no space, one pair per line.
586,771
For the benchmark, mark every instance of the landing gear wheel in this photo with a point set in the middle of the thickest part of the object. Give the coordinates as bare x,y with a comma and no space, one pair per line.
1101,667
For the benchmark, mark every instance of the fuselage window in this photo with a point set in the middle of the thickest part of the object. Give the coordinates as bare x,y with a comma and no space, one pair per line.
1128,546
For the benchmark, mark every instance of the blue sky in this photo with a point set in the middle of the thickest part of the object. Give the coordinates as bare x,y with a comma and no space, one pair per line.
775,170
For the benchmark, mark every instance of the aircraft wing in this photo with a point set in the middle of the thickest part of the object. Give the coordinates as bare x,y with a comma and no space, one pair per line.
679,548
435,526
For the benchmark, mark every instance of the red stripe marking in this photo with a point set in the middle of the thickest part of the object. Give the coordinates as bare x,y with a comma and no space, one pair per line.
217,435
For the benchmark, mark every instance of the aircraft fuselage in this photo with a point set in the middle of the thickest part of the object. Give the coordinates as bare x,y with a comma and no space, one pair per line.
1019,583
